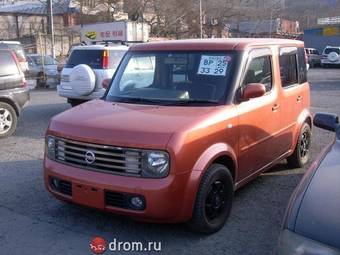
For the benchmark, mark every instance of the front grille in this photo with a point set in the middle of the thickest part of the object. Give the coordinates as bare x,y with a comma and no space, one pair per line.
102,158
116,199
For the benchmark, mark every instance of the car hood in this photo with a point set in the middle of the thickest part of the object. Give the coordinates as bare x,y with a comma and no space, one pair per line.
318,217
126,125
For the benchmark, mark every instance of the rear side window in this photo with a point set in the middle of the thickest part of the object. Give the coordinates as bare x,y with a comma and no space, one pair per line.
329,50
302,66
92,58
17,49
8,64
115,57
288,67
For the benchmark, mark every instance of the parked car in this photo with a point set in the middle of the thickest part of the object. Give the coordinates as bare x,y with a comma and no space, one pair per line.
173,142
14,93
86,68
17,48
313,56
43,69
330,56
312,223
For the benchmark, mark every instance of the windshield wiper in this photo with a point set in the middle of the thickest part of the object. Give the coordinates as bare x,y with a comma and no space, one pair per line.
195,101
166,102
138,100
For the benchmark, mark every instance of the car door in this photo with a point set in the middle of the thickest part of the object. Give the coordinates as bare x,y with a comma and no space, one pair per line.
259,118
292,94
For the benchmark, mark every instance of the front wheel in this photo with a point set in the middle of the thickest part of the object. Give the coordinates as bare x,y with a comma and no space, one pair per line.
8,120
301,153
213,201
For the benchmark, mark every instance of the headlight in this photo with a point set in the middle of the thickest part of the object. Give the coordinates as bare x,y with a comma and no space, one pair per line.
155,164
50,147
291,243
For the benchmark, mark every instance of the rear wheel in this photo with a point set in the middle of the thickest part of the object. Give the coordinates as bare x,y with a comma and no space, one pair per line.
8,120
213,201
301,153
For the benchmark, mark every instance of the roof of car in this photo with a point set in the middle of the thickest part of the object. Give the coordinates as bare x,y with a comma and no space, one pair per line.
213,44
100,46
10,42
37,55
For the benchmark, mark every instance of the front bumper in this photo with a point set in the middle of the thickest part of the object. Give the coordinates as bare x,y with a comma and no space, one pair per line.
291,243
164,198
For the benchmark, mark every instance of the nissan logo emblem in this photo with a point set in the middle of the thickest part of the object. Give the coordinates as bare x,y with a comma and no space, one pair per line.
90,157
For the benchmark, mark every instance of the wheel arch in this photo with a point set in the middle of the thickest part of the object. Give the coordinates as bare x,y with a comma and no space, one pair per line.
220,153
11,103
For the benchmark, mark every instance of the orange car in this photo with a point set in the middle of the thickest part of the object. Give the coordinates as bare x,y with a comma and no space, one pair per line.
183,124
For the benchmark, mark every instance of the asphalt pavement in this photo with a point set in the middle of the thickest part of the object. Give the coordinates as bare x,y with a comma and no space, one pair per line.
33,222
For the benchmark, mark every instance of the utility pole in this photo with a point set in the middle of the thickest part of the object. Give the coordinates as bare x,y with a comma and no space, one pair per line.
201,19
50,25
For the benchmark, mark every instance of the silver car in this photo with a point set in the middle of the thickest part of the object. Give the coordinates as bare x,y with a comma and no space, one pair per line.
43,69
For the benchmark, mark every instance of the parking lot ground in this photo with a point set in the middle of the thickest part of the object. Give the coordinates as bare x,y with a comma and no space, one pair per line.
33,222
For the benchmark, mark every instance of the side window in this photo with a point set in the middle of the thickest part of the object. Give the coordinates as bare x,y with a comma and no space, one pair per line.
140,70
7,63
260,71
288,69
302,66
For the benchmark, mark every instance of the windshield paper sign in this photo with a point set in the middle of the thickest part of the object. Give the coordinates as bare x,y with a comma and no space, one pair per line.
213,65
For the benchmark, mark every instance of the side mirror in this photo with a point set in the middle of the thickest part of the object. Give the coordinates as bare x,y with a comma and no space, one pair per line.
326,121
252,90
106,83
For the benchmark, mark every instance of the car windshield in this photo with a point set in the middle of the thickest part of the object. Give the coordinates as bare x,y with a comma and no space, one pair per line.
46,60
94,58
329,50
177,78
17,48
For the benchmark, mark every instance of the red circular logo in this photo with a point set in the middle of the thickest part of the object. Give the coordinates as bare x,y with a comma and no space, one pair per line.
98,245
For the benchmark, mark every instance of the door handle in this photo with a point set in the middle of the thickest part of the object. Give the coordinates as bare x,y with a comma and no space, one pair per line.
299,99
275,107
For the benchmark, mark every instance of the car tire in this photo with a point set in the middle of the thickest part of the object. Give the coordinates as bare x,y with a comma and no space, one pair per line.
301,153
213,200
8,120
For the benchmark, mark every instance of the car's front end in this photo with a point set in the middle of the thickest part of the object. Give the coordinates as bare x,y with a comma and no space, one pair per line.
132,181
311,224
125,159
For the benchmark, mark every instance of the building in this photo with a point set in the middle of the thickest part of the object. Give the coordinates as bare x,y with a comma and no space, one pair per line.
265,28
27,21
